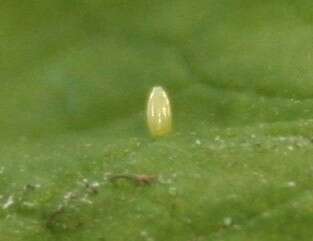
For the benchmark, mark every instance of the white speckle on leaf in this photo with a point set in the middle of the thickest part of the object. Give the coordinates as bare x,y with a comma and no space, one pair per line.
164,180
291,184
8,203
95,184
1,170
146,235
29,204
86,200
228,221
217,138
281,138
290,148
69,195
198,142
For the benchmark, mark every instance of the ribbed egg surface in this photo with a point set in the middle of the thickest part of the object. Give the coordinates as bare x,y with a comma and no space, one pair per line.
159,113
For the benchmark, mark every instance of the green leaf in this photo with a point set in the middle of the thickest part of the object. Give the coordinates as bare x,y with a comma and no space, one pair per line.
75,76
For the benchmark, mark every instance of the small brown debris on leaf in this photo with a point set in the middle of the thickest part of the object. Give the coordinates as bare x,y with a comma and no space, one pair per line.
137,179
145,179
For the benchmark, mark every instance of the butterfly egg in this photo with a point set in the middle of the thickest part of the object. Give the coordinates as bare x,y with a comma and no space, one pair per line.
159,113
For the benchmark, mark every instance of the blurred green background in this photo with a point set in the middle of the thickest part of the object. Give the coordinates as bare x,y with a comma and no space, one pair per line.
81,64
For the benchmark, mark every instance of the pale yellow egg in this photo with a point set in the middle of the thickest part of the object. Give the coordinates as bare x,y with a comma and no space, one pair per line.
159,113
